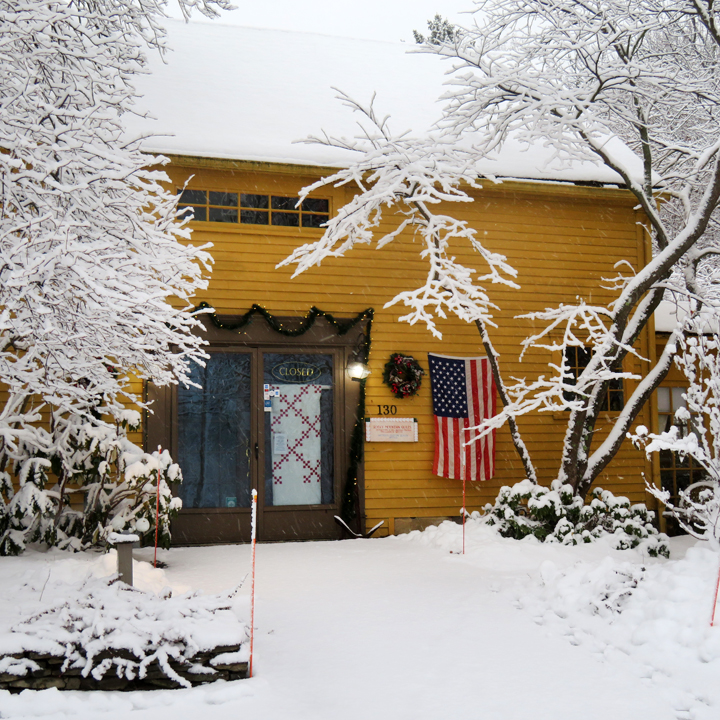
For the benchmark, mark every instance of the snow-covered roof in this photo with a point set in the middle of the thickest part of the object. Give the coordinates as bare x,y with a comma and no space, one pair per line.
249,94
670,313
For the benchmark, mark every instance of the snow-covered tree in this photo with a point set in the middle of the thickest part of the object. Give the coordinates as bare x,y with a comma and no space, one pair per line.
441,31
414,175
90,242
572,76
695,433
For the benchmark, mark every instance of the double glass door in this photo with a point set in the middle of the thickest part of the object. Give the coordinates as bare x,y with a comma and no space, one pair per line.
263,419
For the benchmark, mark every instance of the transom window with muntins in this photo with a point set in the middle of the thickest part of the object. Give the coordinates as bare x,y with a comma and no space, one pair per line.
253,208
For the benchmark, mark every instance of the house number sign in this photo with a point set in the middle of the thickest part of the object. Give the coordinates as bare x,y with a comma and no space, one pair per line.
391,429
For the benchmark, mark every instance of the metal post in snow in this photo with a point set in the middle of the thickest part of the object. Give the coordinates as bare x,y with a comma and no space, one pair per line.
253,527
124,545
157,505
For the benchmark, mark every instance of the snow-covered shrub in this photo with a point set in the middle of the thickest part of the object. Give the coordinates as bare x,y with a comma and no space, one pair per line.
556,514
95,461
28,514
102,626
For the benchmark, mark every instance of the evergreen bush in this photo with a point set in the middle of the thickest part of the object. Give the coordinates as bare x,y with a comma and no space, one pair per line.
556,514
96,462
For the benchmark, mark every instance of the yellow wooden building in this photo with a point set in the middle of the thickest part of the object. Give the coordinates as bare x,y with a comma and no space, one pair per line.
228,104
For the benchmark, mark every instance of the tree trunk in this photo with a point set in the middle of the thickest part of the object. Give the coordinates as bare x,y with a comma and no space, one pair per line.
520,447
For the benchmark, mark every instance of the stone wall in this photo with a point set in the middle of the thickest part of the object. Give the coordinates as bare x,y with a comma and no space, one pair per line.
45,671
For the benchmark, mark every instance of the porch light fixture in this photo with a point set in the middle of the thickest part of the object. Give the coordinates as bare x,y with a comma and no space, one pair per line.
357,370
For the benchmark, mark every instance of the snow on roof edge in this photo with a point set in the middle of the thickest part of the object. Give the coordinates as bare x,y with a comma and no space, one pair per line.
251,28
671,312
309,164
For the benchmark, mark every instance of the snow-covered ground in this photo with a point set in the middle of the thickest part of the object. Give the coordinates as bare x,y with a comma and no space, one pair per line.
406,628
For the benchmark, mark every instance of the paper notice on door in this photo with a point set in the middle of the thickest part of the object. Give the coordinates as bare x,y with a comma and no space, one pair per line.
280,443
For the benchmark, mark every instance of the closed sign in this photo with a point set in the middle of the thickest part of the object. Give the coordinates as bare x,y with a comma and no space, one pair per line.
295,372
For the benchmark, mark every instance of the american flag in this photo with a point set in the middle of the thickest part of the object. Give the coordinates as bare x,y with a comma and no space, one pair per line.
463,392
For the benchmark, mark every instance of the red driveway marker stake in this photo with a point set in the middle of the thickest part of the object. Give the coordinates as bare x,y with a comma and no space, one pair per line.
464,513
717,587
157,505
462,472
252,585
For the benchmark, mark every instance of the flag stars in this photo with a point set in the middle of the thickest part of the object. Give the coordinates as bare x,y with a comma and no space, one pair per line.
449,387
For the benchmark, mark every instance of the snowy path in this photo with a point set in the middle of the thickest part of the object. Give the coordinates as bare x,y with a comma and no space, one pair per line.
411,635
372,628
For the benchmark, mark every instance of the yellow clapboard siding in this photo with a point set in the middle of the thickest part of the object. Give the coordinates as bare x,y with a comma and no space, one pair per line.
561,239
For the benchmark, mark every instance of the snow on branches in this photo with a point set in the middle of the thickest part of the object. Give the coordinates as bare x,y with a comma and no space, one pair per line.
88,236
557,515
410,176
695,433
115,482
90,243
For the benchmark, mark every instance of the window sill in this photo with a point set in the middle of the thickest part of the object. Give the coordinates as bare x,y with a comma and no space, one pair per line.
607,415
248,229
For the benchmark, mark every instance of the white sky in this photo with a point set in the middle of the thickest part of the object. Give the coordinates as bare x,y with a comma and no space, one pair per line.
392,20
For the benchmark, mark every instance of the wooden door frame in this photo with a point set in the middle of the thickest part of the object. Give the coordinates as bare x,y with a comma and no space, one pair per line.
258,337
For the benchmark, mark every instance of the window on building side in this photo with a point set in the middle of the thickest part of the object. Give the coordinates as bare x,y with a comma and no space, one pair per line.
254,209
577,359
676,472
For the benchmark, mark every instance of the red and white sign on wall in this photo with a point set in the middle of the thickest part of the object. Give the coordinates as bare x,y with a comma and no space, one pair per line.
391,429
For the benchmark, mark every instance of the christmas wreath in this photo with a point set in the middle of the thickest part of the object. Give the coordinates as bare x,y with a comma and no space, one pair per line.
403,374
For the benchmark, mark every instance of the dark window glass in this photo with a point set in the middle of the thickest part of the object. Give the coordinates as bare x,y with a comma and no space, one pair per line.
615,399
315,205
287,219
214,433
193,197
577,359
254,201
226,199
283,203
227,215
313,220
667,478
223,207
254,217
196,213
682,478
